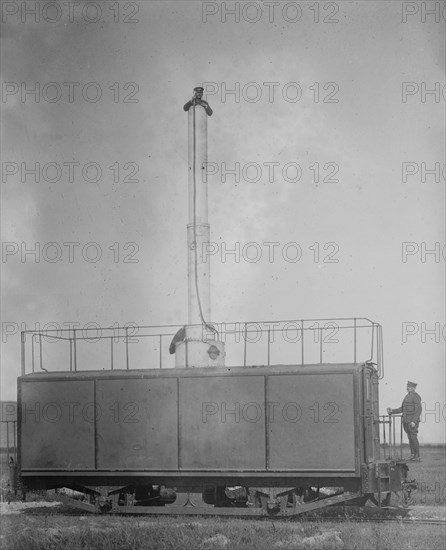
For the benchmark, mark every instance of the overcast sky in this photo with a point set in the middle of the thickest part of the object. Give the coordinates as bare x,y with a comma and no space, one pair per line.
338,99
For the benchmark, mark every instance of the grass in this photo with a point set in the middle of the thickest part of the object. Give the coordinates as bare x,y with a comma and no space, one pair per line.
111,533
430,475
51,531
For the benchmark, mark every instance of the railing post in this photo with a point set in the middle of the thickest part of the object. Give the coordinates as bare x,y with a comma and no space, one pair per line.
32,353
269,344
244,346
14,433
354,340
161,351
401,438
71,354
111,352
380,359
302,345
384,436
127,347
23,336
74,350
40,345
394,437
7,437
379,483
320,345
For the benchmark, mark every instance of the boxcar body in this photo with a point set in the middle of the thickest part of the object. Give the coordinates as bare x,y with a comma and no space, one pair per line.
269,426
127,436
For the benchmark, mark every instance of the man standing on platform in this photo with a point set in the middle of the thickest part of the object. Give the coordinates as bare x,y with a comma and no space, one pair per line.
411,412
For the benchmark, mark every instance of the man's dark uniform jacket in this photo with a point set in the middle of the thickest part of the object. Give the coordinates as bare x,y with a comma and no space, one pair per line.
410,408
198,101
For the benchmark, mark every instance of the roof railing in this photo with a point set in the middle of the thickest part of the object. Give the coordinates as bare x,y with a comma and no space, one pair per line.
290,342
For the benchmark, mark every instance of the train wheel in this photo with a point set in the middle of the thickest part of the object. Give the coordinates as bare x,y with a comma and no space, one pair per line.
273,506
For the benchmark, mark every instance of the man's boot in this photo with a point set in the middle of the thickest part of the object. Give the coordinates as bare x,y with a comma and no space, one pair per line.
416,449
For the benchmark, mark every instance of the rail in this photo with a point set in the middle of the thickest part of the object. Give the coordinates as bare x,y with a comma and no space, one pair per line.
392,436
8,431
291,342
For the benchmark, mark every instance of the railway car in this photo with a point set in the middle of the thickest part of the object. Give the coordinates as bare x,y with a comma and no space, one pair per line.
265,438
261,417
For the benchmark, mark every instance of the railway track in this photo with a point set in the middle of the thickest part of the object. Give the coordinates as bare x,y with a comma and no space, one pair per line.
65,510
403,521
384,521
333,514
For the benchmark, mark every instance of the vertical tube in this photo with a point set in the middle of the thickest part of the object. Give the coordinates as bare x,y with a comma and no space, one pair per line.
198,231
200,347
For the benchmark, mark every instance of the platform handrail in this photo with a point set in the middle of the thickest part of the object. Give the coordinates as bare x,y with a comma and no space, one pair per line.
11,438
159,335
392,438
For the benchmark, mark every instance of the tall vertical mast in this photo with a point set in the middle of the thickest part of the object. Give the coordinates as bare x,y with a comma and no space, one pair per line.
198,230
200,348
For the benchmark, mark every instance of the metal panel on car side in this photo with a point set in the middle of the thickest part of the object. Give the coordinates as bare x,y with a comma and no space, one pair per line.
57,427
138,424
313,423
222,423
255,419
